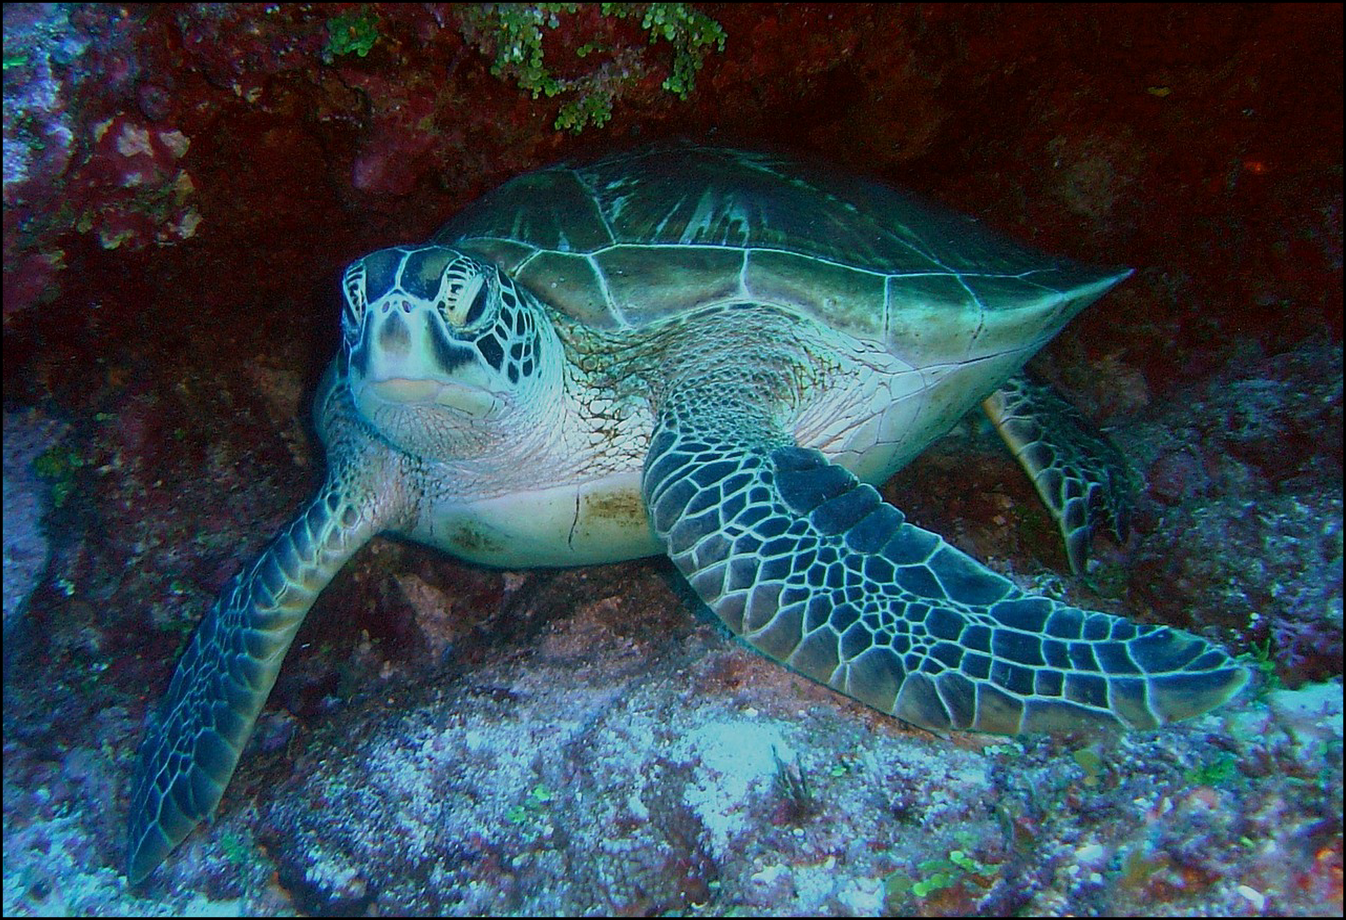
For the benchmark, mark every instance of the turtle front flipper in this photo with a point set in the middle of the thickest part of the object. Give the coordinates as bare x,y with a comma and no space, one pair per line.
1080,475
814,569
193,743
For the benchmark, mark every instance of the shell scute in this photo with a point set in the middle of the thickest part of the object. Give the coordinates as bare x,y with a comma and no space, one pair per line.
636,237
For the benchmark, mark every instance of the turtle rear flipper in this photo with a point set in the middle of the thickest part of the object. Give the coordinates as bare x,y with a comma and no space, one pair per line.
814,569
1080,475
192,744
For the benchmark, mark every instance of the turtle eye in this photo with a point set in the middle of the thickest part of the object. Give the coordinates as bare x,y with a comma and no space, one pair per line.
354,299
465,306
478,306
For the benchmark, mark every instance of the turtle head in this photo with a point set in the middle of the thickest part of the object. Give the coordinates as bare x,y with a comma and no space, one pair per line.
442,351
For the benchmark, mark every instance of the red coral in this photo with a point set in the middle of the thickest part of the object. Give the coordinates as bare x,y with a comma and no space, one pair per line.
130,191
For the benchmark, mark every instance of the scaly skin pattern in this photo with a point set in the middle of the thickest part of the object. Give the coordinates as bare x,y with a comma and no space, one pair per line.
812,568
192,744
1080,475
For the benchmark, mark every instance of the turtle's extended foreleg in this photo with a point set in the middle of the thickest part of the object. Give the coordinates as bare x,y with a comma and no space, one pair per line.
192,744
1080,475
813,568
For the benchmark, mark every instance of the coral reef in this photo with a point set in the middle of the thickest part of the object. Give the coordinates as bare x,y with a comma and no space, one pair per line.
614,65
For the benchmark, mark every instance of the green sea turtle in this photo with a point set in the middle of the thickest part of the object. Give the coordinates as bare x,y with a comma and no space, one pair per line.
710,354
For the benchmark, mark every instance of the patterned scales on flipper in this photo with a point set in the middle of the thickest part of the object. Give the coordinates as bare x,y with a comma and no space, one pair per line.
1079,474
193,742
811,567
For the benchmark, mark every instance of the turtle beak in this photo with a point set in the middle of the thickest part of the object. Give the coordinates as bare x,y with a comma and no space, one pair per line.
473,401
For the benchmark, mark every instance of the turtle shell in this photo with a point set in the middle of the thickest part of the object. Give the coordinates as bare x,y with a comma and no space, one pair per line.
636,237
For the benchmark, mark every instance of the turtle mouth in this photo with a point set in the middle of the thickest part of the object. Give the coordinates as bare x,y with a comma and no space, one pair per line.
474,401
